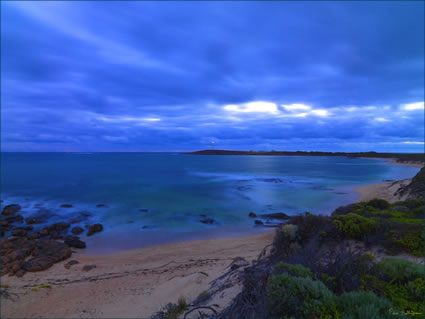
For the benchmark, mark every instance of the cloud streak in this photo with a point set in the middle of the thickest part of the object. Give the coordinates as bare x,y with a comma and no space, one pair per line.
146,76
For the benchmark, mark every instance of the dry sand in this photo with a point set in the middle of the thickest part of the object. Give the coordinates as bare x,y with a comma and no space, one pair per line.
131,284
386,190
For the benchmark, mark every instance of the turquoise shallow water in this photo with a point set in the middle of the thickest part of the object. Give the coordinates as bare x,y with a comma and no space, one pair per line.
176,189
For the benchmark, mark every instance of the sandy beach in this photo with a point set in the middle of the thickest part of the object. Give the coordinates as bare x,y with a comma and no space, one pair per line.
386,190
131,284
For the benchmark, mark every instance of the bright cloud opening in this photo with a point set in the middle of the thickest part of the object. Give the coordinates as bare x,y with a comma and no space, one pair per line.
413,106
320,112
413,142
296,107
381,119
253,107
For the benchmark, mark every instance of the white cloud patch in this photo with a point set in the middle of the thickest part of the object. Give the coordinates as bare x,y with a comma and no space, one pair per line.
413,142
320,112
296,107
253,107
381,119
122,119
413,106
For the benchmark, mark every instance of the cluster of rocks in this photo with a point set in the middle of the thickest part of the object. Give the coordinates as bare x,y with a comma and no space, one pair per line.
28,250
268,218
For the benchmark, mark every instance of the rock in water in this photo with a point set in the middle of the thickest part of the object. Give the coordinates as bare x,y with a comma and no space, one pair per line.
94,229
207,221
276,216
11,209
77,230
258,222
252,215
66,205
74,241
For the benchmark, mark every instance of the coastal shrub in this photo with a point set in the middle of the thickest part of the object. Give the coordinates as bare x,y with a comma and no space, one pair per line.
355,226
294,270
379,203
343,272
362,305
399,268
298,297
399,280
419,212
172,311
413,203
290,231
412,243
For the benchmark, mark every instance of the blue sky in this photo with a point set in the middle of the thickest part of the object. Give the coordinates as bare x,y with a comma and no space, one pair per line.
169,76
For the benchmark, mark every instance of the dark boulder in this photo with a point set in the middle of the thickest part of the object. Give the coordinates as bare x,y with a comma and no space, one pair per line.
4,223
28,228
44,232
100,205
19,232
20,273
207,220
282,216
252,215
77,230
19,218
94,229
71,263
31,220
38,263
57,250
19,254
144,210
59,227
66,205
74,241
33,236
89,267
11,209
258,222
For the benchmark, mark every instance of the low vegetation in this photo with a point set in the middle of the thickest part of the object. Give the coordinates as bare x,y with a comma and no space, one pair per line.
323,267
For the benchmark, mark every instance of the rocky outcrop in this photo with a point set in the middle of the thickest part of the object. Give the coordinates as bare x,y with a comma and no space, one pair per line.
415,189
10,210
252,215
74,241
77,230
94,229
42,254
207,220
281,216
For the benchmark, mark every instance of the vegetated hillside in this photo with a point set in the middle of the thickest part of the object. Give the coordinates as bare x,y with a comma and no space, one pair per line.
338,266
416,188
402,157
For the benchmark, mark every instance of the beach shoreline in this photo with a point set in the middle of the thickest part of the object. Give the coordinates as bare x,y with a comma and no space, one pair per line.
135,283
387,190
140,282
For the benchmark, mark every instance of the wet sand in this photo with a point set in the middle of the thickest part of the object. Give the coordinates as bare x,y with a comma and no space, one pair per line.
130,284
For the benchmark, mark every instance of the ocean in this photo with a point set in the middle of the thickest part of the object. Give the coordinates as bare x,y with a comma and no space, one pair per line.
153,198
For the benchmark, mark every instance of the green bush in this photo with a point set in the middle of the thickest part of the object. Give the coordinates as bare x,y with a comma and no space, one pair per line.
355,226
400,268
412,243
294,270
379,203
298,297
365,305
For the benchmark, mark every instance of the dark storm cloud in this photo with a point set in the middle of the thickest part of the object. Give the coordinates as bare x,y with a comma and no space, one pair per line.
174,76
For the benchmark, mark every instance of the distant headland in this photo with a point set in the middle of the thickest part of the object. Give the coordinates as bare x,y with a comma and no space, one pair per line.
399,157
